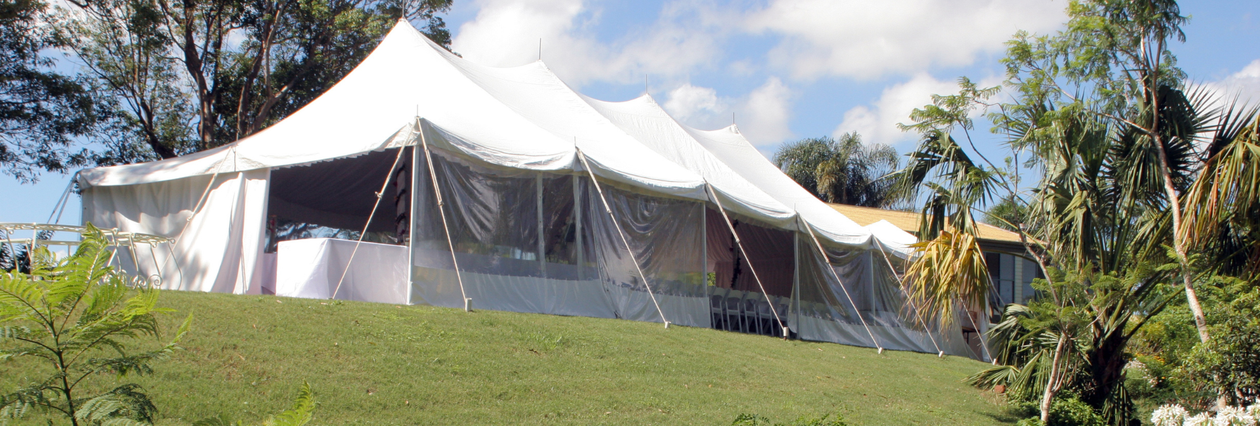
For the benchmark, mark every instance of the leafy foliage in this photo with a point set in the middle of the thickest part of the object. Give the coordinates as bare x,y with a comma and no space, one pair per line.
77,316
1064,412
185,76
300,414
950,269
1223,206
844,171
41,111
1007,214
1123,147
755,420
1096,317
1179,368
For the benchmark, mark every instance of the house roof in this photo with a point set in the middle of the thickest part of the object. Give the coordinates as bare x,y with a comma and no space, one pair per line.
909,221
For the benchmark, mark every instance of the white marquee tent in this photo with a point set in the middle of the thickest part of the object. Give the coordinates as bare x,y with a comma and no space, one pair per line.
506,187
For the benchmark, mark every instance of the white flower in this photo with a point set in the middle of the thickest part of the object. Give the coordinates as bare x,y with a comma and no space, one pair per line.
1168,415
1201,419
1233,416
1254,410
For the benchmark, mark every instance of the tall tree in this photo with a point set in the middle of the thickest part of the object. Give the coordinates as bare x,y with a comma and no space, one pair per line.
1123,147
1007,214
844,171
41,111
189,75
1113,62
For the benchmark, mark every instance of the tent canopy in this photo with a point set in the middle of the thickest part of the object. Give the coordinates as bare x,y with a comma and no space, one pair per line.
529,228
410,84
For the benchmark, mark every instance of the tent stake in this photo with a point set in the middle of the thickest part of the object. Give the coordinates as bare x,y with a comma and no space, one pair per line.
625,241
822,252
437,192
377,204
735,234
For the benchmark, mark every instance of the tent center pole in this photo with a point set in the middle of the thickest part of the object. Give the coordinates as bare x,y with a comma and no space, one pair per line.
437,192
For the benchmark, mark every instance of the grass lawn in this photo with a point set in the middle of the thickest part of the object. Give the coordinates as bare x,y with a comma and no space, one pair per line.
384,364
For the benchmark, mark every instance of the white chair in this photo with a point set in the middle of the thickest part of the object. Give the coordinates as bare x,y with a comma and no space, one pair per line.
734,311
717,311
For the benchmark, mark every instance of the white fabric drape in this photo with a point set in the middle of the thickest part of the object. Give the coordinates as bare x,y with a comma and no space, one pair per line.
217,251
310,269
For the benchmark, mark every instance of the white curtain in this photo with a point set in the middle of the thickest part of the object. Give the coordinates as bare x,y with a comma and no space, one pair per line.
312,268
218,250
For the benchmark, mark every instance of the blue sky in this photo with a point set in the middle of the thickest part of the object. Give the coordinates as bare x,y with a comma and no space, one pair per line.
786,69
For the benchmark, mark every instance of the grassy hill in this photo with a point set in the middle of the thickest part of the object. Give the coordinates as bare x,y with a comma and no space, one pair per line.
384,364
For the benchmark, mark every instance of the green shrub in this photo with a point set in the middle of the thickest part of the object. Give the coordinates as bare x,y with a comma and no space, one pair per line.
756,420
77,318
299,415
1063,412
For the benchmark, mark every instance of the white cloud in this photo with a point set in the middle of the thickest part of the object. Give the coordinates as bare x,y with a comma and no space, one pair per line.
878,122
768,110
689,102
1245,84
763,114
867,39
685,37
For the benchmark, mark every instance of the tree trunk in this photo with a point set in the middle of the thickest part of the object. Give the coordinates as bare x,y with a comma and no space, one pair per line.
1174,204
1052,384
66,388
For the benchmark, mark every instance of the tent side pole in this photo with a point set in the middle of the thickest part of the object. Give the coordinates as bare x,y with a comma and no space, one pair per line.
901,286
200,200
704,261
823,253
170,248
756,277
796,279
542,233
577,224
437,192
983,346
411,221
624,241
388,177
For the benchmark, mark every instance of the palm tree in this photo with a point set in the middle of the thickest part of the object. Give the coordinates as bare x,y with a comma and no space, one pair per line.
1121,145
844,171
1222,206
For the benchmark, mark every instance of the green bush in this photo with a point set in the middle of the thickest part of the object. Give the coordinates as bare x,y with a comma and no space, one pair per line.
299,415
1229,364
756,420
1178,368
1063,412
77,319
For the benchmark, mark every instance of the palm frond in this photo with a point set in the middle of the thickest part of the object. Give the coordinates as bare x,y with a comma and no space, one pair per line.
947,270
301,412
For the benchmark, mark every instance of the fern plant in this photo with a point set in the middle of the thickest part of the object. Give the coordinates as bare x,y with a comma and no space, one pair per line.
299,415
77,318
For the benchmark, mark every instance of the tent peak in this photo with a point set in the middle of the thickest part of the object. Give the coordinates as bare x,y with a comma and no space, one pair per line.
643,98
